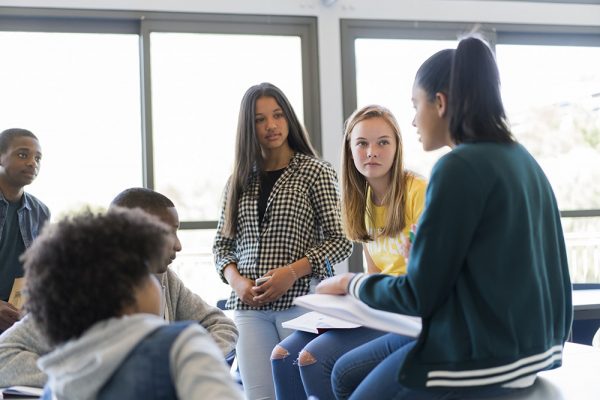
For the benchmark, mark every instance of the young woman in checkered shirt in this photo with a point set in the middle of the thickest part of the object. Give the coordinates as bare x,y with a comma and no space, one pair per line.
381,201
280,218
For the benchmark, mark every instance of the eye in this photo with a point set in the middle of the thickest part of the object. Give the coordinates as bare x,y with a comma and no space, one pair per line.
278,115
361,144
258,120
38,158
384,142
22,155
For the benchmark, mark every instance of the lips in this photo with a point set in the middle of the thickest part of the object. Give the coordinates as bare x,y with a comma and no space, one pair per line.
273,136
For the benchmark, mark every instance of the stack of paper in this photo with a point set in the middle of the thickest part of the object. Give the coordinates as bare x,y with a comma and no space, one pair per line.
21,392
316,322
349,309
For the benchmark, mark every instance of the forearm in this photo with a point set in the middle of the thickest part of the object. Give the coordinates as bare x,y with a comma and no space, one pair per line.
301,267
20,348
19,368
222,329
231,273
190,306
198,371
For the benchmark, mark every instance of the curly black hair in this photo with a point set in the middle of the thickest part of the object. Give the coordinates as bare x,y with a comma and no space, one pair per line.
84,269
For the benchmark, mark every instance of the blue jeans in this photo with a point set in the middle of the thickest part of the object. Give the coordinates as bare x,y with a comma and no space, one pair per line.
294,382
259,333
371,372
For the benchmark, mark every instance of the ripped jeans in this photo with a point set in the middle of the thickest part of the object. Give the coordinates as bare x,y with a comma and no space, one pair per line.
302,363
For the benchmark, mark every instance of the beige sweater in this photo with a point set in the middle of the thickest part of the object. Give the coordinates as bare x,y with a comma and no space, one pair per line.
23,343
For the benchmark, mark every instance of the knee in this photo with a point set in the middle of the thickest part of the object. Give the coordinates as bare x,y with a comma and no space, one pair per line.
279,353
306,358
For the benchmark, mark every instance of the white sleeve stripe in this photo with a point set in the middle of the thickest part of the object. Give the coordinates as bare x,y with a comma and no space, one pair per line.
496,370
495,379
355,284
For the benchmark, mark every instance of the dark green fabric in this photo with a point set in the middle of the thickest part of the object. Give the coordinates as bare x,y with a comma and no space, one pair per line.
488,268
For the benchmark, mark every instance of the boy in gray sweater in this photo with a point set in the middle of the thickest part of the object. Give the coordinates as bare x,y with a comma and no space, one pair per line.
23,343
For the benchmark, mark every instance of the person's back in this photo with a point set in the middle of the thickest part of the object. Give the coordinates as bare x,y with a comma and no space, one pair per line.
507,209
135,357
23,343
488,271
145,373
92,291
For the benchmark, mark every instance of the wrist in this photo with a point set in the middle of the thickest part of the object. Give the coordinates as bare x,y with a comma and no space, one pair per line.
293,271
351,279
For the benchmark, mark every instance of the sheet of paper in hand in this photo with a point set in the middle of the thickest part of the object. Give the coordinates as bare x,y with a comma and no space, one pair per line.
349,309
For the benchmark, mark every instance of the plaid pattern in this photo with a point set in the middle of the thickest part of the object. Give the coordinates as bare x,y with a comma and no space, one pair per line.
302,219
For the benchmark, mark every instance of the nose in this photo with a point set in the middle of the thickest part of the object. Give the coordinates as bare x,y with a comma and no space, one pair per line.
371,152
271,124
413,121
177,244
31,161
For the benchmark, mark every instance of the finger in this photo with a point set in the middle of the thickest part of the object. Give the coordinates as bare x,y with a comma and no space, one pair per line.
266,297
10,313
10,306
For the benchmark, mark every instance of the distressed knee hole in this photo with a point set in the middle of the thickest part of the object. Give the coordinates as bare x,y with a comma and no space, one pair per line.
279,353
306,358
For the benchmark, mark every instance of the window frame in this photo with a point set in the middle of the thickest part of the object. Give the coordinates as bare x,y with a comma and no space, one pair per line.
143,23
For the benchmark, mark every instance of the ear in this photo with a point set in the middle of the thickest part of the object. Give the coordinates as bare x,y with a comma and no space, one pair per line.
441,102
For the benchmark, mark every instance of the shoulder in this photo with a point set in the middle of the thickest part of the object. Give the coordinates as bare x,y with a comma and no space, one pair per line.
34,201
465,158
170,278
416,183
312,166
311,162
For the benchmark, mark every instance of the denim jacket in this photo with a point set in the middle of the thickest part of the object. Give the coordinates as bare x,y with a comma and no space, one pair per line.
33,214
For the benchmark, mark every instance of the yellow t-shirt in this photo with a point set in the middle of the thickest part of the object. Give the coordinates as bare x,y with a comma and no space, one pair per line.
386,251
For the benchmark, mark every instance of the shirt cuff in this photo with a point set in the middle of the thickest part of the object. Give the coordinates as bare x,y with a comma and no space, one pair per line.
355,284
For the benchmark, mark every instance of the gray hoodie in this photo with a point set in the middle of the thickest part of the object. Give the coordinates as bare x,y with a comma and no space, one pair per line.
79,368
23,343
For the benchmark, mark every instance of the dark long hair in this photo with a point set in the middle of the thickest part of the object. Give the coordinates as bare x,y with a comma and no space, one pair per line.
470,79
247,149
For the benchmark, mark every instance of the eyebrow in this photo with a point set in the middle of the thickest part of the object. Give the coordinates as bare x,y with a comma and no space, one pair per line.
275,110
380,137
27,149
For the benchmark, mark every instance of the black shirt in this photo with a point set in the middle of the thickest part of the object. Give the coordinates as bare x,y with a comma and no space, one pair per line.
267,181
11,247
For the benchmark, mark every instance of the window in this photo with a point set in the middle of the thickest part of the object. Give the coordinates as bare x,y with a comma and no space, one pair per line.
556,115
385,69
122,99
197,87
551,90
79,94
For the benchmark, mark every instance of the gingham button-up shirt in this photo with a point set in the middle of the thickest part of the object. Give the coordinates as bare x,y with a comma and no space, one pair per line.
302,219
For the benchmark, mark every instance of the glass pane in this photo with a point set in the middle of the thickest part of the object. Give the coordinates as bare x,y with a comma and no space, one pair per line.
196,268
552,98
198,81
79,93
582,236
385,71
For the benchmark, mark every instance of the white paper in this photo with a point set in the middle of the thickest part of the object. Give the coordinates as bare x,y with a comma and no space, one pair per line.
349,309
313,321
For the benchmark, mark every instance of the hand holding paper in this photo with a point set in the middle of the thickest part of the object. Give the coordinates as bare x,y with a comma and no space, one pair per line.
348,308
335,285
